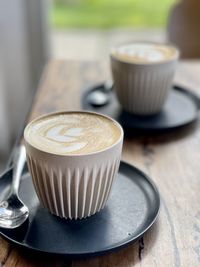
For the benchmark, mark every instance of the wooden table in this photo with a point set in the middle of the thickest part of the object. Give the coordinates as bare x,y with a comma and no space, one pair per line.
172,160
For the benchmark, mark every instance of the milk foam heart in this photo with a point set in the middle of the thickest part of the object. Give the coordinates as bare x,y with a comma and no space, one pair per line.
72,133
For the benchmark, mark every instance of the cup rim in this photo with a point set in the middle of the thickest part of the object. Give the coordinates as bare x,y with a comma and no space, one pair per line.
167,44
68,112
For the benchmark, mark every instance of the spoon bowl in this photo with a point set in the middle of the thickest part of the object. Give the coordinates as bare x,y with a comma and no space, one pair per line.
101,96
13,212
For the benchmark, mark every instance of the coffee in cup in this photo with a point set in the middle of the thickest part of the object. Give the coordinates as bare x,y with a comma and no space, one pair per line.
143,75
73,158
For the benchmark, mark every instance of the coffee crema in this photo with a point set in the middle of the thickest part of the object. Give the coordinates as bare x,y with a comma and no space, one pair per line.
144,53
72,133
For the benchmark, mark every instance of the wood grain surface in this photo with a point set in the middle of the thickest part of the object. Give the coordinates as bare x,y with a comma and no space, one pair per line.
171,159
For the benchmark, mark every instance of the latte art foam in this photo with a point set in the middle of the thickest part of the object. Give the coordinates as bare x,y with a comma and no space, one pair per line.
144,53
72,133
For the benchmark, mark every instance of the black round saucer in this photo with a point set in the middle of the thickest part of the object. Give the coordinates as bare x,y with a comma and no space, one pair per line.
180,109
131,210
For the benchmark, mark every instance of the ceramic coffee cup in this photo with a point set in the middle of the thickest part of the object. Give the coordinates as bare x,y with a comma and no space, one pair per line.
143,74
73,185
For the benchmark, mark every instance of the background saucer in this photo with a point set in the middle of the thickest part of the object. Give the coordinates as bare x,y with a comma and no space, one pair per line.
180,109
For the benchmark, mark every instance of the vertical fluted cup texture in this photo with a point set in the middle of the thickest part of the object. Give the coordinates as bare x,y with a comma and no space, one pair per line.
74,186
142,89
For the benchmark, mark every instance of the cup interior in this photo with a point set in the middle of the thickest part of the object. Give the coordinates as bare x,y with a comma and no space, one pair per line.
72,134
144,53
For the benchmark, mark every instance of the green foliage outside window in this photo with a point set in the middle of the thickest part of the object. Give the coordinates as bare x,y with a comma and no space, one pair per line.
110,13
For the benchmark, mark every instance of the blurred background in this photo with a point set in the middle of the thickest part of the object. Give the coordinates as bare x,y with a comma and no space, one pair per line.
95,25
32,32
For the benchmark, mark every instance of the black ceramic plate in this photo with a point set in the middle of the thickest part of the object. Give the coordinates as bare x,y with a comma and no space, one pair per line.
181,108
131,210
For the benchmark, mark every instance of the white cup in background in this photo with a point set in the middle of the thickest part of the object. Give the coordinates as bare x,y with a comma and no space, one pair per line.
143,75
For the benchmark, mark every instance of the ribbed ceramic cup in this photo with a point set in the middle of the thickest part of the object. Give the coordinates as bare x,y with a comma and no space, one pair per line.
74,186
142,88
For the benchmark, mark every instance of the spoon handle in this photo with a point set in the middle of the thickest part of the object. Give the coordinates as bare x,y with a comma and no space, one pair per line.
108,86
18,165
